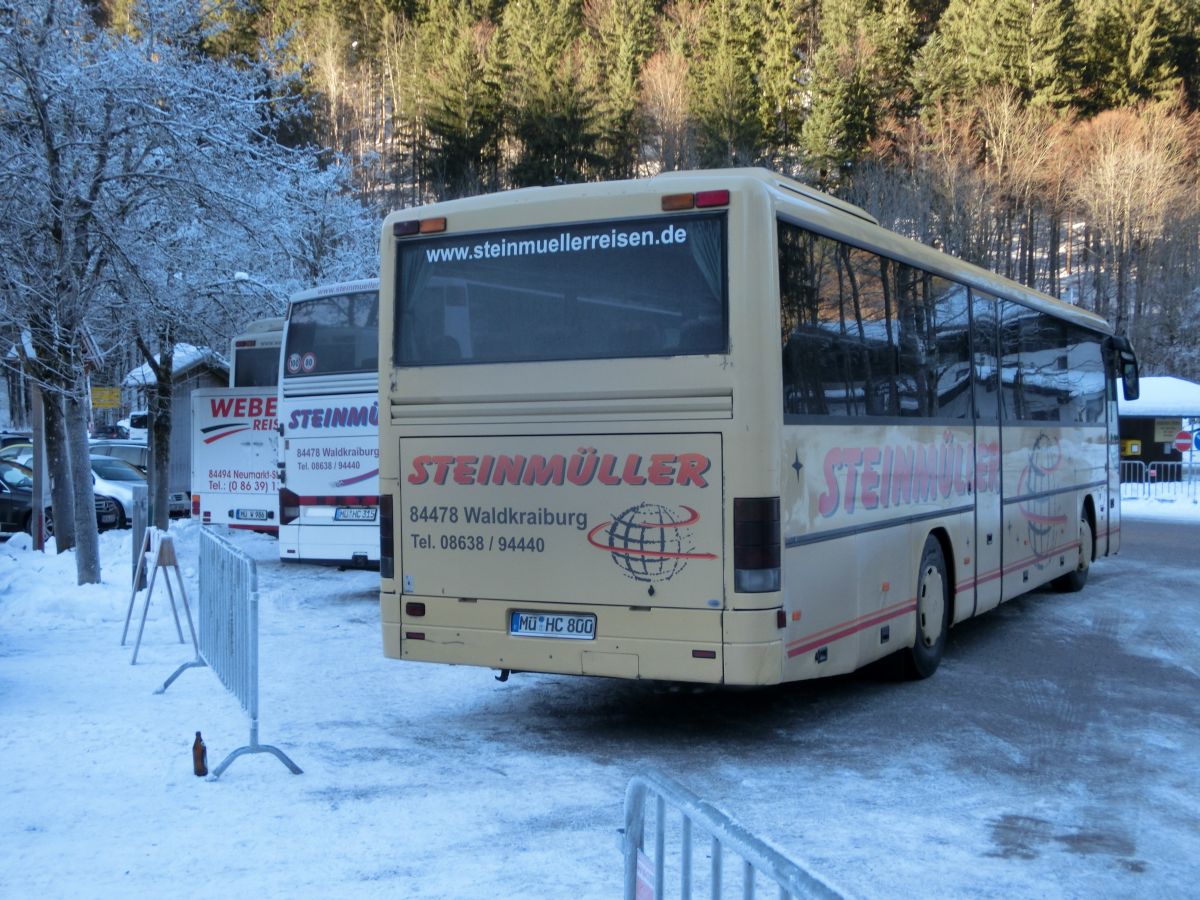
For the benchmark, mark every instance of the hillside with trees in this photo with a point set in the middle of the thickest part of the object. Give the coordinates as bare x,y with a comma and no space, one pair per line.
1054,141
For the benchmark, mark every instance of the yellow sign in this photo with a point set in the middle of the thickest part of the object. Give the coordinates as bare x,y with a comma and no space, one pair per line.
1131,448
110,398
1166,429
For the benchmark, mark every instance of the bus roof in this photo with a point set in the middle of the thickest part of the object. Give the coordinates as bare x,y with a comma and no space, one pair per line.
261,326
339,287
791,199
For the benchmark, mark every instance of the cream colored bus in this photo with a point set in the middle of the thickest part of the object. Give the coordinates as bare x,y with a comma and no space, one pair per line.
719,427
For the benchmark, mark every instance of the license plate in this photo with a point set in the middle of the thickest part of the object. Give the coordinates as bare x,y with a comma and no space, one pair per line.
354,514
578,627
256,515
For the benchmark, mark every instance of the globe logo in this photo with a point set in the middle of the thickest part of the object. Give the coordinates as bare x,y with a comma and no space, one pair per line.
1038,479
649,542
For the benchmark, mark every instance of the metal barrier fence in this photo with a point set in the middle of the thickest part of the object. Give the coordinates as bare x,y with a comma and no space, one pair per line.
1133,473
1166,480
228,612
646,878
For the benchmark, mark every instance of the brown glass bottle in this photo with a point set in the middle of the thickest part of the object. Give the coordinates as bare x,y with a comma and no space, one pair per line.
199,756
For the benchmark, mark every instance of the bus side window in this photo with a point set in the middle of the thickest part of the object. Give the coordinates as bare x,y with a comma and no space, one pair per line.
700,335
445,349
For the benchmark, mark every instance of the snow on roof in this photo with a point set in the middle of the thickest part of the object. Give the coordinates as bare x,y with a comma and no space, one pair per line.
1162,396
187,357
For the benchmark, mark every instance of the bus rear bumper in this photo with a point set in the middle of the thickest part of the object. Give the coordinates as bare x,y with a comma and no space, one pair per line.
354,546
693,657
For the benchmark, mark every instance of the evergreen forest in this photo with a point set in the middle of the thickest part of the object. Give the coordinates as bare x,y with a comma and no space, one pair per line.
1054,141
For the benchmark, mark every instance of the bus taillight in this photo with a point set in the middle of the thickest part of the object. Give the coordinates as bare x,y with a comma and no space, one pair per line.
756,544
289,506
419,226
387,544
705,199
698,200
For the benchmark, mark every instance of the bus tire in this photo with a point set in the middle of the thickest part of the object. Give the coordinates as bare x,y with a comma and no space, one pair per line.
1075,580
933,613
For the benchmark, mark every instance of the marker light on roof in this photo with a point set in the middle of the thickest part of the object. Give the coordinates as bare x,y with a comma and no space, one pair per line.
712,198
700,199
419,226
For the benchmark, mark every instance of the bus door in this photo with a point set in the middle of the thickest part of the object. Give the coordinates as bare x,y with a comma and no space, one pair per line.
988,555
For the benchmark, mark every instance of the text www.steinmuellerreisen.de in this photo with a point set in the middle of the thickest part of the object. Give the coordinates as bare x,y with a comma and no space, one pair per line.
565,242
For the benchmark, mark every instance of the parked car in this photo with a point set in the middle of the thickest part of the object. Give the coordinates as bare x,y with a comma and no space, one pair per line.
110,431
137,454
16,497
14,437
16,502
115,478
17,452
136,427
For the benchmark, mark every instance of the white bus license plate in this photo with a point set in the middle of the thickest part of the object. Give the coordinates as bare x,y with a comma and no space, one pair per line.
554,625
257,515
354,514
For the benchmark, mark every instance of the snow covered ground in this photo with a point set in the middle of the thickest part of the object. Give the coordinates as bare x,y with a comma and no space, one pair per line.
419,781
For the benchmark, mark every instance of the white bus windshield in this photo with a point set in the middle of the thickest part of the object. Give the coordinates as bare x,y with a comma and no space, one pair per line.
600,290
331,335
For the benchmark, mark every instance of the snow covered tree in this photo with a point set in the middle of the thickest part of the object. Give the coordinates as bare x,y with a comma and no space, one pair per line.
137,172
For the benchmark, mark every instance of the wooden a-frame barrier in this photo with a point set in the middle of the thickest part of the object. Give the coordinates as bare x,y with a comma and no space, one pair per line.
158,547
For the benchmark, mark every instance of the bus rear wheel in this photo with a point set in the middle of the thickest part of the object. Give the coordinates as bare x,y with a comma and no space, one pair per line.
933,613
1077,578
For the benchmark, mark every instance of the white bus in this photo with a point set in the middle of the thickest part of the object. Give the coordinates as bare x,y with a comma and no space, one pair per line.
719,427
254,354
235,437
235,457
329,426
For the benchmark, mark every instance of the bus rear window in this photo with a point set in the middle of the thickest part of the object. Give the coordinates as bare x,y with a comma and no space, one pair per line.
256,367
600,290
333,335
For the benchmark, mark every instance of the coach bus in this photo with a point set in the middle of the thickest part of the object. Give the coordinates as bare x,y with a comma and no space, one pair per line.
254,354
329,426
235,438
719,427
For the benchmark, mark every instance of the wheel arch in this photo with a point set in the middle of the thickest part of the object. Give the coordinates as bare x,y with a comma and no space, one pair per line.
1089,512
942,536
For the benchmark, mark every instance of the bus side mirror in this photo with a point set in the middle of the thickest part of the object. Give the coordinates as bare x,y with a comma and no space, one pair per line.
1129,377
1127,366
